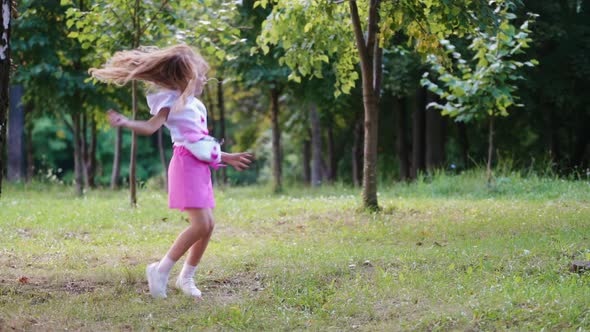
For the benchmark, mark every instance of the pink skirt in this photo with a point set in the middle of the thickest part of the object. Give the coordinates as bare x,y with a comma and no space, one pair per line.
189,182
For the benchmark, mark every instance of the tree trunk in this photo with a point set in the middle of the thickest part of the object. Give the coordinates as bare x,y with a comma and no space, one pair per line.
29,143
116,173
276,140
211,127
370,152
331,156
464,142
581,147
370,57
91,161
16,124
84,146
435,136
221,106
307,161
316,146
79,130
133,159
133,154
581,143
163,158
551,128
490,151
208,100
5,16
78,157
402,139
418,127
357,152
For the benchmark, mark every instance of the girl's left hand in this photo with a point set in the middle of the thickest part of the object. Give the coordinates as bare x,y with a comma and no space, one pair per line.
240,161
116,119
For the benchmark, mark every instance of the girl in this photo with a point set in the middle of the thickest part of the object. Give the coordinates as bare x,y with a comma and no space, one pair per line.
178,74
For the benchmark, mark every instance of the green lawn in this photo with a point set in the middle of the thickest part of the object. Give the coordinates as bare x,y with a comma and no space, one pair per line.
443,254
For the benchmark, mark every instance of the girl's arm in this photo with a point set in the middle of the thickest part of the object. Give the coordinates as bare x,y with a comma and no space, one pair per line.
141,127
239,161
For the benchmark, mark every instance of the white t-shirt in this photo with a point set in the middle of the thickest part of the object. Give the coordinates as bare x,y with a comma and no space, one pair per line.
187,125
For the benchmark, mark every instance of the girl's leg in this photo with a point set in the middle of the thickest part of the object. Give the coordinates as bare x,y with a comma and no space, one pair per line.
196,251
199,229
185,281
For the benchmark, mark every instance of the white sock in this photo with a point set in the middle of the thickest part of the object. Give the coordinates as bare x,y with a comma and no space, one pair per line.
188,271
165,265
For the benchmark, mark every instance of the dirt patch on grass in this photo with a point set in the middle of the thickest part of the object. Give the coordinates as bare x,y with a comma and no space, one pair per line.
29,324
25,286
226,289
232,289
79,287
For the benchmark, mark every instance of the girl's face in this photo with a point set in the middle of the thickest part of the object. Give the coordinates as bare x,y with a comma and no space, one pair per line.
201,81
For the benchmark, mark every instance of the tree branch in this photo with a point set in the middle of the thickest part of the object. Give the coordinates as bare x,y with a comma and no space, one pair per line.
358,31
120,20
67,124
373,27
13,10
377,49
417,20
164,3
377,69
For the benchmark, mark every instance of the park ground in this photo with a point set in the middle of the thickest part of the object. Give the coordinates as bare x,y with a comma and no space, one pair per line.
444,253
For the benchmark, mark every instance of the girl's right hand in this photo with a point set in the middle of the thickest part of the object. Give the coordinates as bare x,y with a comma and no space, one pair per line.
116,119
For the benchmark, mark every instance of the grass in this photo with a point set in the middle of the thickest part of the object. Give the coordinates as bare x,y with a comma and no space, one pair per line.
445,253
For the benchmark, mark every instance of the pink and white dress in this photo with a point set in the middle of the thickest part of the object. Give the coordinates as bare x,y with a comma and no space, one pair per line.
189,179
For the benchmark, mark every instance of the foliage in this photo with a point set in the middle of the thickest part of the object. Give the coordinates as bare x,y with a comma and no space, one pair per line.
53,143
309,40
254,69
163,23
328,38
554,92
401,71
48,57
209,24
484,86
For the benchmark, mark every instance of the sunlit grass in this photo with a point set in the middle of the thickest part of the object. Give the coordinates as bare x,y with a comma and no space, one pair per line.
444,253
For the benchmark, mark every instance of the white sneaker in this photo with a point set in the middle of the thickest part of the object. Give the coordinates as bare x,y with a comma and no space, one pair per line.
156,281
187,286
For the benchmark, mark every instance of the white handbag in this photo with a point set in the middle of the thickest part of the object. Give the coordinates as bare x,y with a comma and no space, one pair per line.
207,149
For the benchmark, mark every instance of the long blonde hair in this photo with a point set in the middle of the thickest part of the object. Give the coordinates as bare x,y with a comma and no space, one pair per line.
175,68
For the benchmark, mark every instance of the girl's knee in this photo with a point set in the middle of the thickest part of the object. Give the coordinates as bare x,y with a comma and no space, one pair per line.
200,225
202,221
211,225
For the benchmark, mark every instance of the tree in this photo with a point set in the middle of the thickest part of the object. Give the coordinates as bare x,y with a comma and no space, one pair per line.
110,26
15,151
357,35
556,111
212,25
483,88
402,69
5,23
263,71
136,22
43,58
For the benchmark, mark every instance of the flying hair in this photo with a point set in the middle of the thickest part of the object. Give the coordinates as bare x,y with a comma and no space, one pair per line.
175,68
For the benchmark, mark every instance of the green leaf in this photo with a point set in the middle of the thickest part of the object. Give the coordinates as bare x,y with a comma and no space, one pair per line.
265,49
